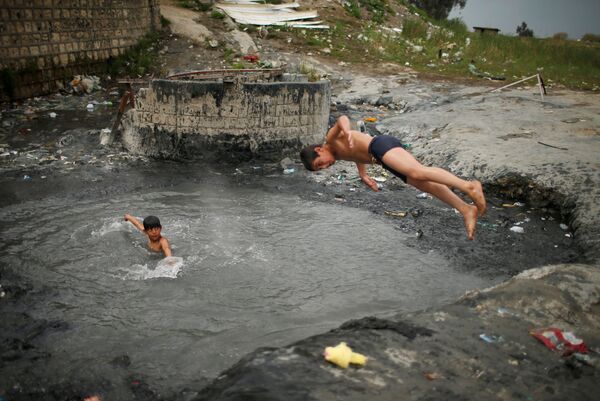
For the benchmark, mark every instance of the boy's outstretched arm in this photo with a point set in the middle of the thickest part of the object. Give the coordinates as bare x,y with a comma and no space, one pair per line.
362,172
134,221
340,128
166,248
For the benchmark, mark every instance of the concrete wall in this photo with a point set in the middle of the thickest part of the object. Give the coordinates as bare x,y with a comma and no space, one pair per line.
44,42
229,121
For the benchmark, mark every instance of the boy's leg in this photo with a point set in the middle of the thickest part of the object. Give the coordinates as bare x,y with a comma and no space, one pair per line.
445,194
405,163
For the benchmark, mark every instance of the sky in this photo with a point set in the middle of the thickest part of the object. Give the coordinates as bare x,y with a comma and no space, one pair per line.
544,17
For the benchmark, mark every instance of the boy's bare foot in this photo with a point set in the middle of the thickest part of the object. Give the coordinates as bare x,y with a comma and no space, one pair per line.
470,217
476,193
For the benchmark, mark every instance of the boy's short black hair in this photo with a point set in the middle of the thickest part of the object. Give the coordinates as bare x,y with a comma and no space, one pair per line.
151,222
308,156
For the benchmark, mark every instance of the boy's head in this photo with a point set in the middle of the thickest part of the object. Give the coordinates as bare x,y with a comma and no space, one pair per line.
151,222
316,157
152,227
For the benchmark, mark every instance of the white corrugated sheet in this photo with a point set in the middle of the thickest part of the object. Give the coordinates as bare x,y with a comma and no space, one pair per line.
252,13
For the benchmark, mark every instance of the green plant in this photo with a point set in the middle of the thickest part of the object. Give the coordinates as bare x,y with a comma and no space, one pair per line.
353,8
377,8
228,54
195,5
138,60
238,65
414,28
217,15
308,70
164,22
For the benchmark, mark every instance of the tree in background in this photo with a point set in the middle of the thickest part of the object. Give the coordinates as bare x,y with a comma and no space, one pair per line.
438,9
561,36
590,37
522,30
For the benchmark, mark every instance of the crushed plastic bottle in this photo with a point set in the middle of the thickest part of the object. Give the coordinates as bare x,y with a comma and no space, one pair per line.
361,126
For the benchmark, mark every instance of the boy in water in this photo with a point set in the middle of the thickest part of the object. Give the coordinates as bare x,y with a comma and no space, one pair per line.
342,143
151,227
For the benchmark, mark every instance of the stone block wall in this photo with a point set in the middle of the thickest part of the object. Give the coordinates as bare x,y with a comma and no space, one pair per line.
44,42
229,121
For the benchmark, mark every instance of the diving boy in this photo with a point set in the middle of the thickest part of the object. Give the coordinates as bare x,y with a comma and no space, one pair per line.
152,228
342,143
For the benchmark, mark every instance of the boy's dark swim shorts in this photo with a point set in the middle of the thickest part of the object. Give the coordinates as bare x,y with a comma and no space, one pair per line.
379,146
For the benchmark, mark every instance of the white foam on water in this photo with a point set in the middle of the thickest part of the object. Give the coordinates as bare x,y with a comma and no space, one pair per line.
168,267
111,226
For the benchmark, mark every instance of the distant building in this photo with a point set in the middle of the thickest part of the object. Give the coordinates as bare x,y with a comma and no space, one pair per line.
486,31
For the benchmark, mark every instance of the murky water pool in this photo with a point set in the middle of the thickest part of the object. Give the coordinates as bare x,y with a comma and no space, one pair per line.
258,268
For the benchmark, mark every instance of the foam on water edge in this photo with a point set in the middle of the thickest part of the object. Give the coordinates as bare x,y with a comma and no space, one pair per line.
168,267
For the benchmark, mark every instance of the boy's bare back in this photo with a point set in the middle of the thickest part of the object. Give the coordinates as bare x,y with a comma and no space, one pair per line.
358,153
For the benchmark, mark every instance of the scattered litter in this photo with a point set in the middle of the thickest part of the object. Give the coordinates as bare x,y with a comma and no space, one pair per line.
395,214
423,195
361,126
564,342
506,312
380,179
90,107
419,234
52,115
571,120
340,198
415,212
432,376
484,224
252,58
491,338
26,177
513,362
87,84
342,355
289,170
370,119
568,235
482,74
517,229
552,146
563,226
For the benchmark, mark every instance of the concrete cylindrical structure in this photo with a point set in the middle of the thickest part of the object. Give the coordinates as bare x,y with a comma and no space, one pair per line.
231,121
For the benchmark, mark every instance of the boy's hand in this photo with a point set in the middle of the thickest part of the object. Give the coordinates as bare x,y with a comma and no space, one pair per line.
127,217
370,182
